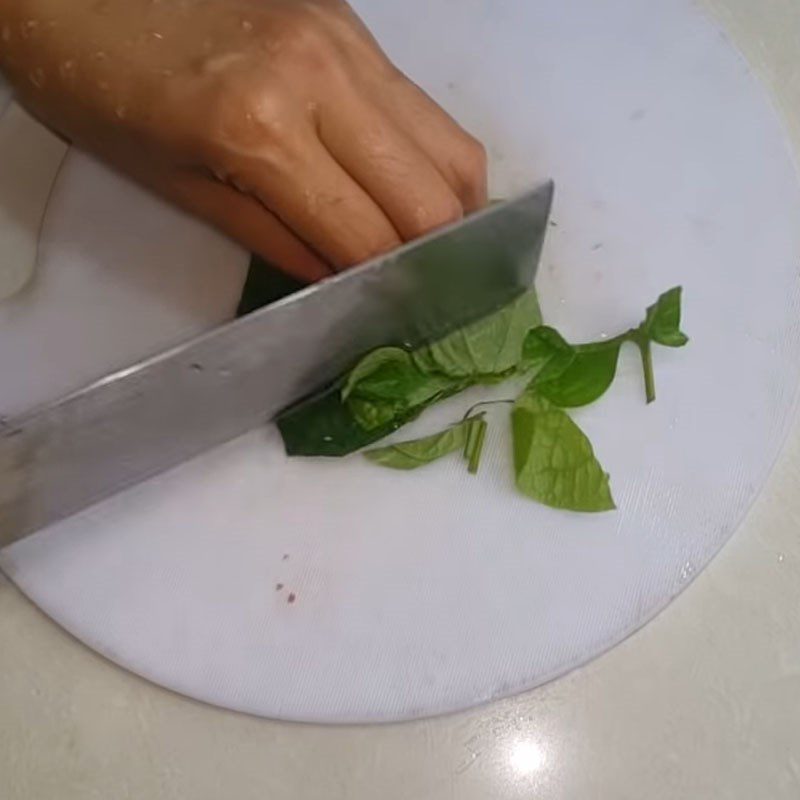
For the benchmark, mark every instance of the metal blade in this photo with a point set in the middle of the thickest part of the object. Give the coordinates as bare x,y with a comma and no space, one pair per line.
143,420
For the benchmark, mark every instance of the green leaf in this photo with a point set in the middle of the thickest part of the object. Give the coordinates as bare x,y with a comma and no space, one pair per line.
419,452
586,379
663,322
386,385
398,361
390,374
546,352
373,414
554,462
488,348
323,425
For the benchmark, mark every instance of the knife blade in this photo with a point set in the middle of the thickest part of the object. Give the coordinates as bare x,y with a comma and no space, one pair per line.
138,422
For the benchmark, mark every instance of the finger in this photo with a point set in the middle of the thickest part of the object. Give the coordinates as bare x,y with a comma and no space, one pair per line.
247,221
320,202
399,176
458,156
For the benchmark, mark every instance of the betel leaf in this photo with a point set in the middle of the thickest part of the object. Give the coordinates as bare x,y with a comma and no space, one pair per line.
420,452
662,326
546,352
390,374
586,379
554,462
489,348
371,362
373,414
663,322
323,425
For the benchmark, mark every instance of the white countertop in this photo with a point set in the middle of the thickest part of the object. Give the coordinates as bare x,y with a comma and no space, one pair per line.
703,703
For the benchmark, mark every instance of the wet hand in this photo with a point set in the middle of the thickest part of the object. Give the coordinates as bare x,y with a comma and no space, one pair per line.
279,121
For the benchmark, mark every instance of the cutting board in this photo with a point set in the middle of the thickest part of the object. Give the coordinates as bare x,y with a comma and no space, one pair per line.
338,592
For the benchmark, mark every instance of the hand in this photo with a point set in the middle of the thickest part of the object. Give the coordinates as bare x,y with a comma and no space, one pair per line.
279,121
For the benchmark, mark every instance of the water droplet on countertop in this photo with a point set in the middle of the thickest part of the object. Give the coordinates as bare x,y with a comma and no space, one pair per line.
687,571
37,77
604,335
561,301
781,558
224,373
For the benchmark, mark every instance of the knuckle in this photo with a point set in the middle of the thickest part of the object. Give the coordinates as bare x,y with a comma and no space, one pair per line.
473,163
305,41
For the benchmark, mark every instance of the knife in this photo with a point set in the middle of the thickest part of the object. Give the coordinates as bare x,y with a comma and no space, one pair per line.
138,422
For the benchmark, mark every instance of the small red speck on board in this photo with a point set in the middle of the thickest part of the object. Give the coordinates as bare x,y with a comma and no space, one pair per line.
291,598
278,587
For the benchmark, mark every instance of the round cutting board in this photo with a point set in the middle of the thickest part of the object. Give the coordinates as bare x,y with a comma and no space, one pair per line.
335,591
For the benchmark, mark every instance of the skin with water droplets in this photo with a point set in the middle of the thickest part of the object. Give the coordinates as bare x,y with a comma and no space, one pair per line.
282,122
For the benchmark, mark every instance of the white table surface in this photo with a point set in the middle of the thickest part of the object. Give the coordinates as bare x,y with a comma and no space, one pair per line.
703,703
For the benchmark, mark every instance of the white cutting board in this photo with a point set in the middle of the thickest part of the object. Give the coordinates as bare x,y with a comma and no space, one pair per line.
421,593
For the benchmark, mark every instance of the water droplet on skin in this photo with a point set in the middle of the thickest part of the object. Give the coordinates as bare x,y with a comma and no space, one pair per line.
37,78
29,28
156,35
246,25
67,69
99,56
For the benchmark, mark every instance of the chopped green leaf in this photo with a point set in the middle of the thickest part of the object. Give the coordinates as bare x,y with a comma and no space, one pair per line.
419,452
554,462
323,425
488,348
663,322
586,379
394,357
374,414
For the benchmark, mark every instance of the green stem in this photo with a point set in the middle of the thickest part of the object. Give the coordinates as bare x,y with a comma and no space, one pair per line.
487,403
643,342
472,438
477,447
